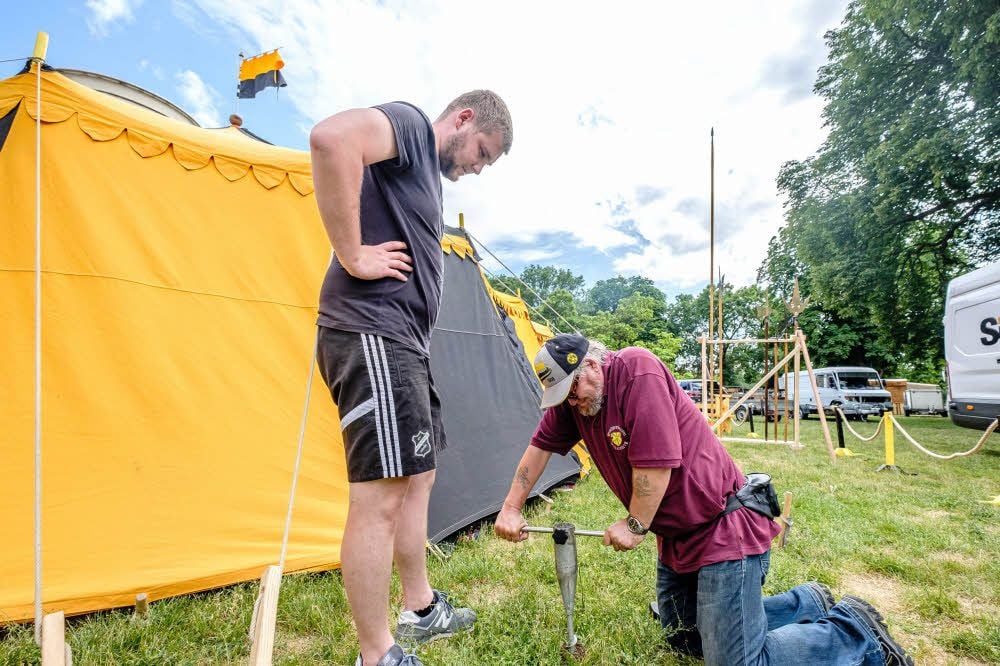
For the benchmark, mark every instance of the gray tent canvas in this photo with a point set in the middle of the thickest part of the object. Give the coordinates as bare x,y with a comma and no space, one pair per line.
489,397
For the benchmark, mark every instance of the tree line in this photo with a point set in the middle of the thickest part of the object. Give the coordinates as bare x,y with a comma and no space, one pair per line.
902,196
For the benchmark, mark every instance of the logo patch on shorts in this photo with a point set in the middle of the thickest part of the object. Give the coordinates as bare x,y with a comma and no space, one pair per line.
421,443
617,437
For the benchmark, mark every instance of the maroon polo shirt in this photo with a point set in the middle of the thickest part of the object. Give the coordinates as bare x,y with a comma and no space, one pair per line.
646,420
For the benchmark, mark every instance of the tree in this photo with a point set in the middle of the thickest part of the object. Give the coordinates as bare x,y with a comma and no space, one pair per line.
905,192
536,283
605,295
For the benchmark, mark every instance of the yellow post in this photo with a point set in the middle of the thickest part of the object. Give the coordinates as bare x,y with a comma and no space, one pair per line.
890,442
461,220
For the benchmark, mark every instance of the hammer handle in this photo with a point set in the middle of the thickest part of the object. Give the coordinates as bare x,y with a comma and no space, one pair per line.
549,530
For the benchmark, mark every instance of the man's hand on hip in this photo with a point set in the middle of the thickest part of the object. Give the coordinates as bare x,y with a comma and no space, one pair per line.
619,537
509,523
379,261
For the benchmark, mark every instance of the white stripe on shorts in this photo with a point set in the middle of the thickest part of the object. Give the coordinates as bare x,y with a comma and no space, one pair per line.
356,413
376,401
394,425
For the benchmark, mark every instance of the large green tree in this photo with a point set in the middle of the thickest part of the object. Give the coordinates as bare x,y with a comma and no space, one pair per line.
905,192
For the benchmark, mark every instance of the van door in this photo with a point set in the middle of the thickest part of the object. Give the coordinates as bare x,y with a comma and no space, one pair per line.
972,347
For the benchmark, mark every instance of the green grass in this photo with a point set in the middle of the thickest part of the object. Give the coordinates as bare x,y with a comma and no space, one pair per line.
922,548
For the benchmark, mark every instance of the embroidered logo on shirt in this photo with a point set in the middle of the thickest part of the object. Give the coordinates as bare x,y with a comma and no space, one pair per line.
617,437
421,444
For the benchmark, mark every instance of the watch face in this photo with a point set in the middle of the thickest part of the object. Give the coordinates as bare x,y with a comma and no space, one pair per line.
635,526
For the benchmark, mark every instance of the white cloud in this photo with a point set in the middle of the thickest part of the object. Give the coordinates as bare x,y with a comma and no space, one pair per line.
607,99
104,13
200,98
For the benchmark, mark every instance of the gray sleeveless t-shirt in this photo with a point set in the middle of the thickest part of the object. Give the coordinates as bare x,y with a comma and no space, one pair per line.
400,201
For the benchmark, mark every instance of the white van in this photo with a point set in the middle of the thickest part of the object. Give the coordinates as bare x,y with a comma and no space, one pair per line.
861,389
972,347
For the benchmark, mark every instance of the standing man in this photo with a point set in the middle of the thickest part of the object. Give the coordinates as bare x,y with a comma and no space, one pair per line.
377,173
661,459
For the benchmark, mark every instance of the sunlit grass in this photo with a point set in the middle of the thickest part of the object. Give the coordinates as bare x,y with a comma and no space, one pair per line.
923,548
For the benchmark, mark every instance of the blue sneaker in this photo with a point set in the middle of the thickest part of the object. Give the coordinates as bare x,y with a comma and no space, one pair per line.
443,621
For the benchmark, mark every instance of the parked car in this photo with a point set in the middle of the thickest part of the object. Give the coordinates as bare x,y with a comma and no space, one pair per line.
972,347
693,388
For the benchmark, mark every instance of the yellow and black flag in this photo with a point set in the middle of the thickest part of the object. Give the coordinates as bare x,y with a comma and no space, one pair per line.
259,72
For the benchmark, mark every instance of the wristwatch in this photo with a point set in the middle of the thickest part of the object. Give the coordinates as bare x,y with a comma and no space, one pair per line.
635,525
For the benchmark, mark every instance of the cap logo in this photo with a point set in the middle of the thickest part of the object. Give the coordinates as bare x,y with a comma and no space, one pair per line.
571,358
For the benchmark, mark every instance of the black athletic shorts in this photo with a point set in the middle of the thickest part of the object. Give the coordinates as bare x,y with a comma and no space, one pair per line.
390,414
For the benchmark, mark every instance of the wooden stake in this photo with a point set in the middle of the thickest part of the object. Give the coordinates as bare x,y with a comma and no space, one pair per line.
54,639
265,617
142,604
786,520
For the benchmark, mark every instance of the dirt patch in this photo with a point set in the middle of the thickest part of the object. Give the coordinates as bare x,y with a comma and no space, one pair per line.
936,514
956,558
880,591
297,645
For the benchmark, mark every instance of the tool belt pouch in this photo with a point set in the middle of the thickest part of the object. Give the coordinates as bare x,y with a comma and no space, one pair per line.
758,494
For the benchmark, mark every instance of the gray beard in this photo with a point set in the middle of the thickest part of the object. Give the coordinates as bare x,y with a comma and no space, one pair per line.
593,406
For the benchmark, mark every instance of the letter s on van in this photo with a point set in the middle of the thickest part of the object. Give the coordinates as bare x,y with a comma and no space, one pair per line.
991,328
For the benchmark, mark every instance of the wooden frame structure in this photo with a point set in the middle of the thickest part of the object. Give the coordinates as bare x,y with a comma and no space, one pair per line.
799,350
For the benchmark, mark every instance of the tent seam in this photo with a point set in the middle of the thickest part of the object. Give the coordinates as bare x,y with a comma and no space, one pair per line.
161,286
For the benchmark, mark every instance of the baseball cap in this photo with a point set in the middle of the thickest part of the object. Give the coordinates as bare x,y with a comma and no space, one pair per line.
555,363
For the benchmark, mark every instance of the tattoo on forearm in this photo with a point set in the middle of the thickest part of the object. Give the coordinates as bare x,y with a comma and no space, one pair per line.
643,487
522,477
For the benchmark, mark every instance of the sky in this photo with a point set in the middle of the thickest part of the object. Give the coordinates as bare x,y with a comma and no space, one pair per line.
613,104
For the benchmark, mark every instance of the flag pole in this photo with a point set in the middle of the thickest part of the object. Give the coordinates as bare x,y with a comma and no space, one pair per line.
238,68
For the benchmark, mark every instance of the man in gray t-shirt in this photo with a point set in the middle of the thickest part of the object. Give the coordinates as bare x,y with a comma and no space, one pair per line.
377,174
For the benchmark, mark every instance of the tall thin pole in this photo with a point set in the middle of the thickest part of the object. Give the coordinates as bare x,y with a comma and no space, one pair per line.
721,337
711,255
38,57
239,66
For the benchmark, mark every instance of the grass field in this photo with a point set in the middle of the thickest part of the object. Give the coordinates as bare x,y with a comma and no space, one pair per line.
922,548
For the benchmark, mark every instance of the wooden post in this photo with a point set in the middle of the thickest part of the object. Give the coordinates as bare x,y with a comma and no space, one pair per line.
797,406
748,394
819,401
54,639
265,617
786,520
704,378
142,604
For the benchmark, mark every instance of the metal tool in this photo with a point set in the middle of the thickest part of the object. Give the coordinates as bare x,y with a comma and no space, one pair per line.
564,539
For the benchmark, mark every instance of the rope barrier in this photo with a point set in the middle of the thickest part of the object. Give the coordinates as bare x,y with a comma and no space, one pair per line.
979,444
982,440
855,432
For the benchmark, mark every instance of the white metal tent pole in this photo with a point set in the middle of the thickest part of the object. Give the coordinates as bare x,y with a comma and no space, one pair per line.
38,57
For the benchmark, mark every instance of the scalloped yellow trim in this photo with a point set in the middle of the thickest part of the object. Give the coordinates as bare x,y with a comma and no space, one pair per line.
458,245
147,145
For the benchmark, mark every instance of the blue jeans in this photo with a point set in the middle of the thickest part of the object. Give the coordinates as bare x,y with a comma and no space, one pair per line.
720,613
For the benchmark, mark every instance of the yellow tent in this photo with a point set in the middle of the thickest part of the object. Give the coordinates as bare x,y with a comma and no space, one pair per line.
180,269
175,312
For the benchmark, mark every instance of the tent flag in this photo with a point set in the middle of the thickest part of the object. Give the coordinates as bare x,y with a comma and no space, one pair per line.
259,72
